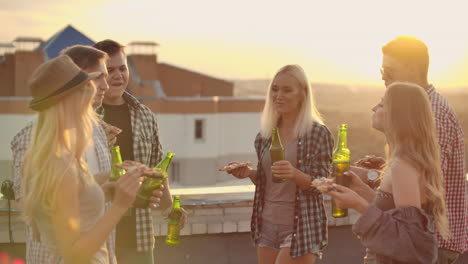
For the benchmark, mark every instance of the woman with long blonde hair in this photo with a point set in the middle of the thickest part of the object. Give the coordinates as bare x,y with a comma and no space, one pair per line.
60,197
289,223
398,222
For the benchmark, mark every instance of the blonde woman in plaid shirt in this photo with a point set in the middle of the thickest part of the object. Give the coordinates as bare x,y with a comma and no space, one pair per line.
138,141
407,59
289,223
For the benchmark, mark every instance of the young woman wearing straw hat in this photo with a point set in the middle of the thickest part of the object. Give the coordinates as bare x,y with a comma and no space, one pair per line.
60,197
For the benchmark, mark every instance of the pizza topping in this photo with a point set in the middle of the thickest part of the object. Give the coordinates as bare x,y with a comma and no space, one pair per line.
324,184
235,165
371,162
130,166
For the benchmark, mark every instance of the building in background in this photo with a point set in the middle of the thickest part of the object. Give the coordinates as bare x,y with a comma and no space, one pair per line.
200,119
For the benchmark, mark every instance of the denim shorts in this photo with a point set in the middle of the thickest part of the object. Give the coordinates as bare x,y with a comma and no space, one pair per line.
275,236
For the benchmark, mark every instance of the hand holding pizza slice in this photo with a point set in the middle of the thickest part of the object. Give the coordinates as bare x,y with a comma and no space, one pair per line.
324,184
131,166
235,165
239,170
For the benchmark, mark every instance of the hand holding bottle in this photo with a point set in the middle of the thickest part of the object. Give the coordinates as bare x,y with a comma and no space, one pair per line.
158,192
183,217
283,169
156,197
276,153
126,188
347,198
175,218
151,184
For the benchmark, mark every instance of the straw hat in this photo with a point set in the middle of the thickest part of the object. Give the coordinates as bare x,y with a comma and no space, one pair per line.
55,79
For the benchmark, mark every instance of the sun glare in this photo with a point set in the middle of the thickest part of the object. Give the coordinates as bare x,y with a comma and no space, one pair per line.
337,42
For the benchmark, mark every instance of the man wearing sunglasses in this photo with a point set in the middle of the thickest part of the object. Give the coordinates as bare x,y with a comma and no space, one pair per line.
407,59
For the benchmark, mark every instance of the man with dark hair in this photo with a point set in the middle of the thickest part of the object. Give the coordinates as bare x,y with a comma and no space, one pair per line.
91,60
138,141
407,59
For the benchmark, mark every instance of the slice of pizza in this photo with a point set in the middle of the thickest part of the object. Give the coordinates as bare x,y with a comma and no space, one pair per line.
324,184
371,162
130,166
235,165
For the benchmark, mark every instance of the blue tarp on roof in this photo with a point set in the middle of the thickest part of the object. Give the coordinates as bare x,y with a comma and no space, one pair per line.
67,37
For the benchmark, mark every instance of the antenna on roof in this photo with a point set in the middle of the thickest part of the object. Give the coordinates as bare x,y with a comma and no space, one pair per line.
27,43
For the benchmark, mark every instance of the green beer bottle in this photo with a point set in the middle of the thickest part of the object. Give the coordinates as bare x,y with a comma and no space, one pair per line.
116,159
173,230
341,158
150,184
115,171
276,152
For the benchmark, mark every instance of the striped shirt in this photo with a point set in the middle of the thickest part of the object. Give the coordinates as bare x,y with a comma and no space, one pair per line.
452,146
314,157
147,150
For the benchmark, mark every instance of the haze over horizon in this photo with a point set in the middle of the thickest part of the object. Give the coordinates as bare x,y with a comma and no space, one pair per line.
336,42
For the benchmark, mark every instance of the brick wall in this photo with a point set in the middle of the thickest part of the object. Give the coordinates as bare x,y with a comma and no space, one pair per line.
180,82
146,66
229,217
7,68
25,63
223,217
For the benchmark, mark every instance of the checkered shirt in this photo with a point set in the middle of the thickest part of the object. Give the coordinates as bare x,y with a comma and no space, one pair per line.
104,162
451,141
314,157
35,251
147,150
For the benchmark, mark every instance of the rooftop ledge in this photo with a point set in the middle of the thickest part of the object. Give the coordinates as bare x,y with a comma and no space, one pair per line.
223,208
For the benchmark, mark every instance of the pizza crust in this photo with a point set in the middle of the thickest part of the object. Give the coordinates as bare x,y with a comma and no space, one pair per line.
235,165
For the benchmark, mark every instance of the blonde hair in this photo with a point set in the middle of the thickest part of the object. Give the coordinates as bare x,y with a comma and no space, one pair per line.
411,130
59,139
308,114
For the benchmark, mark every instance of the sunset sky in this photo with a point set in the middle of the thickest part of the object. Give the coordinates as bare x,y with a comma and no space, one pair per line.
335,41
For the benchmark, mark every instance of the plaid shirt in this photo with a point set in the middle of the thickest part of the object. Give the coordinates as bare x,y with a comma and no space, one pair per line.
35,251
451,141
314,157
147,150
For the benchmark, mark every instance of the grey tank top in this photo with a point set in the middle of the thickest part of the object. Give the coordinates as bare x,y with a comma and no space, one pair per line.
91,205
279,197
